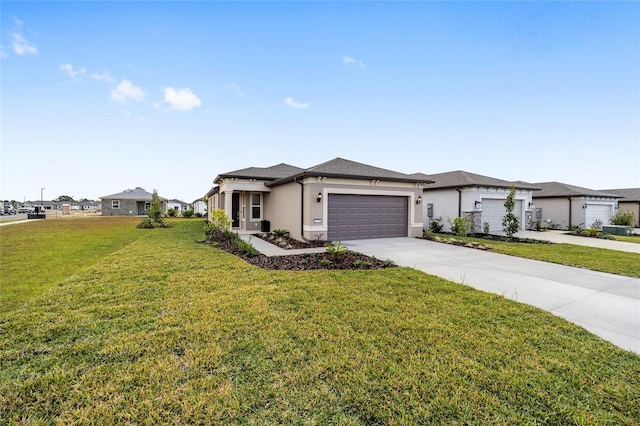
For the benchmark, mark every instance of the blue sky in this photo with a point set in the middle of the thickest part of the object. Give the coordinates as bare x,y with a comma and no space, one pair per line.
98,97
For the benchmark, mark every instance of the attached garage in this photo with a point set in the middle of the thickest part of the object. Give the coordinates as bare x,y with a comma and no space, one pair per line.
353,217
597,212
493,211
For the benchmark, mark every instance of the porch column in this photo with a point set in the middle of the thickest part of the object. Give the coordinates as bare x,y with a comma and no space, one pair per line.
228,204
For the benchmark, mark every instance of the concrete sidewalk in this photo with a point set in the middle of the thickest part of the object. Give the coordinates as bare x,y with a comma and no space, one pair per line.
563,237
269,249
605,304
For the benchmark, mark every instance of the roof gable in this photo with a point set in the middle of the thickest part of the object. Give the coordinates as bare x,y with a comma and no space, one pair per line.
339,167
461,179
263,173
627,194
132,194
559,189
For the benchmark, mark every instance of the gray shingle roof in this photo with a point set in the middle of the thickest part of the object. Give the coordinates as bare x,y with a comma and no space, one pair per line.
461,179
263,173
559,189
628,194
132,194
339,167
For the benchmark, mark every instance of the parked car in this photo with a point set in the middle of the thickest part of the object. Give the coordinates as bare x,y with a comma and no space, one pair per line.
1,209
9,209
25,209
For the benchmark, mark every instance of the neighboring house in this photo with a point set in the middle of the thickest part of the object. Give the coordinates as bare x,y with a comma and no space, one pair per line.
630,201
57,205
180,206
336,200
567,206
459,193
199,206
131,202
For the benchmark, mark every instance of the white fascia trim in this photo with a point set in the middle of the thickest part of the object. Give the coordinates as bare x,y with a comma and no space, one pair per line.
244,186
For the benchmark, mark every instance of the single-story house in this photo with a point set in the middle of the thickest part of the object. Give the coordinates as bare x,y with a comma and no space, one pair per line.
199,206
630,201
567,206
130,202
460,193
179,206
336,200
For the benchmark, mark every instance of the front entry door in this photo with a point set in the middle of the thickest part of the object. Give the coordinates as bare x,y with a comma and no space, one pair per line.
235,209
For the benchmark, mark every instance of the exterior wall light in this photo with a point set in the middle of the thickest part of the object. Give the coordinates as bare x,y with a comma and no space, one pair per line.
419,200
319,197
478,204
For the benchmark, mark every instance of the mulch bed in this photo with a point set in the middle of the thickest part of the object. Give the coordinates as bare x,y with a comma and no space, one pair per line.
304,262
480,246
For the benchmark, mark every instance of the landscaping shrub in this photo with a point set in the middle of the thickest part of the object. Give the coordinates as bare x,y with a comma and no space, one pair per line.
187,213
624,219
435,226
219,225
336,249
460,226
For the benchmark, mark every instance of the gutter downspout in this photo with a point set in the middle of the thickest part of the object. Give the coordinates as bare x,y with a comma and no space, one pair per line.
570,212
459,202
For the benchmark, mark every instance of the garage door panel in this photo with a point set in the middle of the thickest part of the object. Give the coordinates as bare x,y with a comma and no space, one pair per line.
366,216
596,212
493,211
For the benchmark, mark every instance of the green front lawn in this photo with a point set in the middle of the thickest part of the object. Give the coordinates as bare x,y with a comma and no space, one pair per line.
596,259
628,239
150,328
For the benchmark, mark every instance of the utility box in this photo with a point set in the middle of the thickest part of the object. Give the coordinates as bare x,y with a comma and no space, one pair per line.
538,213
616,229
430,210
265,226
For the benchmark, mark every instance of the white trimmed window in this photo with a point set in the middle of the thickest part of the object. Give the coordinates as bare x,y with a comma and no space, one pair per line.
256,206
115,204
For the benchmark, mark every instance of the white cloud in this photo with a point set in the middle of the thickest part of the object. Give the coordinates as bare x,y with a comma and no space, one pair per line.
291,103
17,21
72,72
21,46
234,87
125,92
3,52
105,76
350,61
181,99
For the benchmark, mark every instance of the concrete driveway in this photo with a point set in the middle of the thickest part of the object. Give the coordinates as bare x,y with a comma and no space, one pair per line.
605,304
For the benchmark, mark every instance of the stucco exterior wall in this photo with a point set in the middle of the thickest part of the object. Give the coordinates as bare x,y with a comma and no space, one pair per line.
450,203
633,207
283,209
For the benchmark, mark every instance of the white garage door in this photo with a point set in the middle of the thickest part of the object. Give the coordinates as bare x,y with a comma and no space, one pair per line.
601,212
353,217
493,211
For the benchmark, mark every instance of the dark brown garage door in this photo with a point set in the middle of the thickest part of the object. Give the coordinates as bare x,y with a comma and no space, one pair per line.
354,217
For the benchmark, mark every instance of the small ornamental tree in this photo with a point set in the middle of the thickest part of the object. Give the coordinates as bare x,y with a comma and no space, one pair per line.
155,214
510,222
219,225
